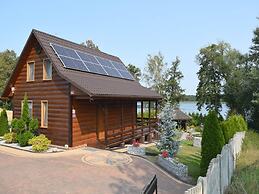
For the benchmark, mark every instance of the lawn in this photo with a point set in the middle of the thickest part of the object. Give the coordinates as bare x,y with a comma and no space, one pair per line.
190,156
187,155
246,176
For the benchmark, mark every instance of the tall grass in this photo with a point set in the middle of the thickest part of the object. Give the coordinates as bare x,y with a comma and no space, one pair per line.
246,176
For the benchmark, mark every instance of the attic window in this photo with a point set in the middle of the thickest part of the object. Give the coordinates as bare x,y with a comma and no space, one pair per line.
47,69
30,71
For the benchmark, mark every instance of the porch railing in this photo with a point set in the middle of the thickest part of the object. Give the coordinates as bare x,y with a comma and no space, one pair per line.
128,133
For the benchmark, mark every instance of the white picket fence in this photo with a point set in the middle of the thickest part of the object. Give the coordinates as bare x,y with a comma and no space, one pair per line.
220,170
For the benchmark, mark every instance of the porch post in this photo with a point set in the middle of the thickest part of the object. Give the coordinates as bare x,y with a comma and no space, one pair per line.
121,121
142,121
149,115
156,108
105,123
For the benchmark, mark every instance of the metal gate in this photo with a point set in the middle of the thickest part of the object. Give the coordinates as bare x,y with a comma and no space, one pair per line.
151,187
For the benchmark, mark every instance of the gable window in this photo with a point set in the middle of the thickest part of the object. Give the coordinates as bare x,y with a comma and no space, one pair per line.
44,113
47,69
30,71
30,104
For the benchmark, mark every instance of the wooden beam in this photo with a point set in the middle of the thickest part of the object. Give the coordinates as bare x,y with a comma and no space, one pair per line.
149,115
142,121
156,108
122,121
105,123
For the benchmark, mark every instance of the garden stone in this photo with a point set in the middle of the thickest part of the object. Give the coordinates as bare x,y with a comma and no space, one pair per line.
139,151
197,141
174,167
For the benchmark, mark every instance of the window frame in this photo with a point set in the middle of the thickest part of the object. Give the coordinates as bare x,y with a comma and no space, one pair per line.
44,70
27,76
29,101
42,116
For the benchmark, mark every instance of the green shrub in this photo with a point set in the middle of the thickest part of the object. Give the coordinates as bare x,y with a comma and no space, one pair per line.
4,127
233,124
152,151
40,143
25,112
20,125
10,137
212,141
33,125
23,138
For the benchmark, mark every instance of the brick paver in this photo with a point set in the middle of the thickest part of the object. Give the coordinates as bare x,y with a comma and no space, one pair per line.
65,173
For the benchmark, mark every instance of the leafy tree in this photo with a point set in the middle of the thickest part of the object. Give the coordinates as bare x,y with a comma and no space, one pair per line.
135,71
8,59
153,75
215,65
4,127
90,44
254,49
171,87
212,140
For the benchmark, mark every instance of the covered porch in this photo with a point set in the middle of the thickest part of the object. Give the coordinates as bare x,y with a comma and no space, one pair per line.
108,123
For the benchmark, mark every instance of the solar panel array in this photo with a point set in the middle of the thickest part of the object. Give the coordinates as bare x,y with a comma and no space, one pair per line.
77,60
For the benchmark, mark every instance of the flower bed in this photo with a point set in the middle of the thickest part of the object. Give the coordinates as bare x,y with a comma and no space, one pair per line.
29,148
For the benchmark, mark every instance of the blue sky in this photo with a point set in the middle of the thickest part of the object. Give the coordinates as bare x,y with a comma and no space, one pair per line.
133,29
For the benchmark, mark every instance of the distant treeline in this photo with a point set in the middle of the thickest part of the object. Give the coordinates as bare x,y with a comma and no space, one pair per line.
189,98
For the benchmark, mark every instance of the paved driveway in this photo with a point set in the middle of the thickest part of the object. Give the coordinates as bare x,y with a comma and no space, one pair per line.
24,173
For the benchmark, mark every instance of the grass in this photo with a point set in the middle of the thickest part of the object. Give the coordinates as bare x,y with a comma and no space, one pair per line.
246,176
190,156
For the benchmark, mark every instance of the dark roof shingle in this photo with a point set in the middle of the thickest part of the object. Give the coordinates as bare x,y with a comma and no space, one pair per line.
92,84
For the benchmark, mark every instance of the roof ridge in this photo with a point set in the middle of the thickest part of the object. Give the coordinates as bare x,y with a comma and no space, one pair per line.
84,47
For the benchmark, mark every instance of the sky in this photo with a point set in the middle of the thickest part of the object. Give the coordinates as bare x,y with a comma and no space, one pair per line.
132,29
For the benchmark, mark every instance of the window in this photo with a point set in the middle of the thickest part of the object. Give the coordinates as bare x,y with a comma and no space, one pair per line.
44,113
47,69
30,104
30,71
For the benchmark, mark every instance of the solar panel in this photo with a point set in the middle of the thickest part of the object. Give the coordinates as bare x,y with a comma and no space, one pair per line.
94,68
119,66
86,62
65,51
73,64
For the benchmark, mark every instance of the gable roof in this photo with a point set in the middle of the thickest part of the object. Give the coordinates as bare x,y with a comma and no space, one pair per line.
93,85
179,115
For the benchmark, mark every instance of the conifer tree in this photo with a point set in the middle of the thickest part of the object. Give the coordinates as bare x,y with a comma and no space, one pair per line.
212,141
4,127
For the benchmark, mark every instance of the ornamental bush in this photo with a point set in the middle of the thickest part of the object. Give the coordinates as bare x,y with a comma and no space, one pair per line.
40,143
25,112
4,127
233,124
212,141
10,137
23,138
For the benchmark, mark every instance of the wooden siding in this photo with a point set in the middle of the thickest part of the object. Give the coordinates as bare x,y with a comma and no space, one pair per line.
84,123
56,91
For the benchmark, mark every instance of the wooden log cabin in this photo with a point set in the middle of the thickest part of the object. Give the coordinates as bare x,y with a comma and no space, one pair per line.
80,95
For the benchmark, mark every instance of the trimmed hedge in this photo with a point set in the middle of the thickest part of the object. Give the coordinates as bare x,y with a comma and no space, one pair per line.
212,140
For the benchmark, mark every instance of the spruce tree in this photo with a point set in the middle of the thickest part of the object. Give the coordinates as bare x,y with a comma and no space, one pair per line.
212,141
4,127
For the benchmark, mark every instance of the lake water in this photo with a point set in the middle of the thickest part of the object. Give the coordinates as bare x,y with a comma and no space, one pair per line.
190,107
